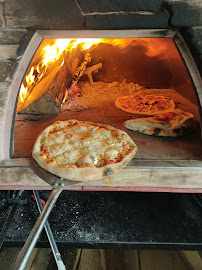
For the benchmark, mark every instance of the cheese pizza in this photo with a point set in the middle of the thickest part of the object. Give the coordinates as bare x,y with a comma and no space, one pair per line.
170,124
145,104
82,151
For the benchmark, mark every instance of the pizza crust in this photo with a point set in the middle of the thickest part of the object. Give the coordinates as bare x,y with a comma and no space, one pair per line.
176,126
80,173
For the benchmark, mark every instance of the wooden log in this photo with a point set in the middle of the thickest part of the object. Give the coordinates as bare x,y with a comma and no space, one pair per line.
42,105
38,90
90,70
57,88
47,96
79,72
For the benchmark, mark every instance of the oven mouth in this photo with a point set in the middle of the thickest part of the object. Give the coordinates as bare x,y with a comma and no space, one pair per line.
93,99
76,78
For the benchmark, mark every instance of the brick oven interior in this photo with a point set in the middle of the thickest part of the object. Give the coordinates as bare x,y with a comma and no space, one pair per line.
134,66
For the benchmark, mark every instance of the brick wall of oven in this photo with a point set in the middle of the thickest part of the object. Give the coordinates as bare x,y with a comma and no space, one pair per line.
20,18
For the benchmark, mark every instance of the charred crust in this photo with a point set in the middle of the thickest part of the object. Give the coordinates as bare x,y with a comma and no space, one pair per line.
181,131
156,131
177,130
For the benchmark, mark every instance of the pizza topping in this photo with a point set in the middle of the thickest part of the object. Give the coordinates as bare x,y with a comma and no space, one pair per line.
166,117
145,104
111,152
172,123
84,144
110,161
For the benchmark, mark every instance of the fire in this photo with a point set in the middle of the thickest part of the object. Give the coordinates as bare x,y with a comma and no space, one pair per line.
86,43
155,47
66,93
30,78
71,92
23,93
53,52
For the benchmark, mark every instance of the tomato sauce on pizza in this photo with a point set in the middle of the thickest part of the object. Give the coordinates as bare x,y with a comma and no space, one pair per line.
74,144
171,124
145,104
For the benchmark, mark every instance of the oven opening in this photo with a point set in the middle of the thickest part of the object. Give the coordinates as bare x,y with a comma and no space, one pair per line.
81,79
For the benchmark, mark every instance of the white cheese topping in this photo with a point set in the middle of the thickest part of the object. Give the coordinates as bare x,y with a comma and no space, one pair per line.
85,144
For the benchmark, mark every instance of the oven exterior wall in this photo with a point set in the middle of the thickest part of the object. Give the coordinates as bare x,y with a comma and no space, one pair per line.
19,20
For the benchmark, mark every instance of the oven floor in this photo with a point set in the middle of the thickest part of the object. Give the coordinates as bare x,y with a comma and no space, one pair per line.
96,103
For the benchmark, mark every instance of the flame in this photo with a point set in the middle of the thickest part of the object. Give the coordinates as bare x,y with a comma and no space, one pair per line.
86,43
51,53
30,78
23,93
72,92
155,47
66,93
120,42
62,63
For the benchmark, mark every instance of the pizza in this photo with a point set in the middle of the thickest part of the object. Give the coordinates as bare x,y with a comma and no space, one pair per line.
83,151
145,104
172,124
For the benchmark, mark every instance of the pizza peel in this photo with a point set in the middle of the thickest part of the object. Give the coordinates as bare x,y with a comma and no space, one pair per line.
58,185
52,179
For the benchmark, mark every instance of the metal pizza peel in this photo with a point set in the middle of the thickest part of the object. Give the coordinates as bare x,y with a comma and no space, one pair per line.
52,179
58,185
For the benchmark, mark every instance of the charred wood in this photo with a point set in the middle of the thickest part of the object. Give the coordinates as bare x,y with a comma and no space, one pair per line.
90,70
48,94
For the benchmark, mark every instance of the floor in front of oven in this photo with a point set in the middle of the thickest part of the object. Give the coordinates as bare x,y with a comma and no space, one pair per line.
100,107
105,259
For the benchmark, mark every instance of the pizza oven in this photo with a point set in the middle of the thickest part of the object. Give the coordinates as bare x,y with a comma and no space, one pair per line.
79,75
63,74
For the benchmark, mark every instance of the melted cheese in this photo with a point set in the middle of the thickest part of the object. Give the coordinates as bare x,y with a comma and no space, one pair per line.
144,103
167,122
84,144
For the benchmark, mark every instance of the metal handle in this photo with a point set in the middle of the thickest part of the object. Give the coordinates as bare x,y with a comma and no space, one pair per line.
50,236
38,227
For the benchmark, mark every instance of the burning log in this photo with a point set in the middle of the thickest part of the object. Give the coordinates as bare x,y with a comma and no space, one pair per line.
37,92
47,95
42,105
80,70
